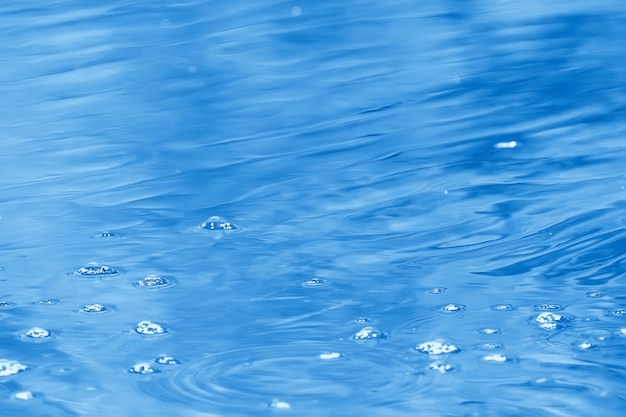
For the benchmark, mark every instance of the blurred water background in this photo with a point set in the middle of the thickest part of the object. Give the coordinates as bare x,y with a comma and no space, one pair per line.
288,208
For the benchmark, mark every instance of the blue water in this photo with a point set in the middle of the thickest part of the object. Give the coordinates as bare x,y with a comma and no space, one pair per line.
391,208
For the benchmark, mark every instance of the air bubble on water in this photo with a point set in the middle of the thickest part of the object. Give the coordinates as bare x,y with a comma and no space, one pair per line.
548,307
24,395
217,223
489,346
594,294
362,320
585,345
330,356
9,367
505,145
502,307
437,347
622,332
167,360
94,270
47,301
496,358
315,282
5,305
441,367
107,235
369,333
37,333
146,327
452,308
282,405
143,368
438,290
550,321
618,312
488,330
154,281
94,308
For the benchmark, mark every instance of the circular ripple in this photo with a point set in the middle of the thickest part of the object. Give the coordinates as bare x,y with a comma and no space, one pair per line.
154,281
9,367
147,327
246,381
93,270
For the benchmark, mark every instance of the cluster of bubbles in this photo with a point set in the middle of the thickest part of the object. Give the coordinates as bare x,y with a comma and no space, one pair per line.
147,368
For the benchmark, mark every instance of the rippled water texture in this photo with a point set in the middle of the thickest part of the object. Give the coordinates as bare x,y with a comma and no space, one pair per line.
355,209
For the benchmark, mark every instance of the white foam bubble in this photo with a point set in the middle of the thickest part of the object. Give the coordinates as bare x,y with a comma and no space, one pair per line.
369,333
437,347
498,358
37,333
167,360
143,368
505,145
147,327
24,395
453,308
330,356
9,367
94,308
441,367
550,321
94,270
282,405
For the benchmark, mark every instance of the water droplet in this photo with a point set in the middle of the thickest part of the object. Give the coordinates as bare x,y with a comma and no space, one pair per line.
453,308
154,281
548,307
149,328
95,270
437,347
550,321
143,368
502,307
167,360
94,308
6,305
280,404
9,367
622,332
37,333
47,301
107,235
438,290
315,282
330,356
619,312
585,345
497,358
369,333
